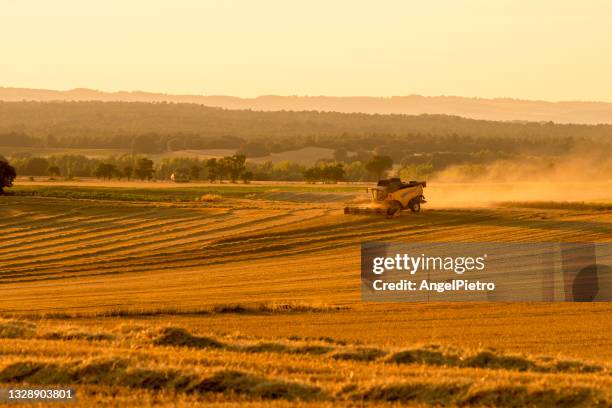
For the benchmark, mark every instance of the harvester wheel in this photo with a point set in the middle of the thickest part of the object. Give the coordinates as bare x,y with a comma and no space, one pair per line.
394,209
415,206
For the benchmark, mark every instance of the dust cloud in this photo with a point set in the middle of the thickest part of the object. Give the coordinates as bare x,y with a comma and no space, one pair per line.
584,177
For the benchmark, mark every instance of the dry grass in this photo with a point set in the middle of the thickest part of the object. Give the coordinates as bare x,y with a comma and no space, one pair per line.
265,308
360,354
452,394
236,382
257,302
210,198
173,336
16,329
427,356
179,364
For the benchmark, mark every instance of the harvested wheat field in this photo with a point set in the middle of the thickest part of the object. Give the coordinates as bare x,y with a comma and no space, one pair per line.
252,297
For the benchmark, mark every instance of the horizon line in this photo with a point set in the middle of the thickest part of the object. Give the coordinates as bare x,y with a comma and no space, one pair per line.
497,98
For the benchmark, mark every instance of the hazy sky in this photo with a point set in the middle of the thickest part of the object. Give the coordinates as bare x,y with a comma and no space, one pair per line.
533,49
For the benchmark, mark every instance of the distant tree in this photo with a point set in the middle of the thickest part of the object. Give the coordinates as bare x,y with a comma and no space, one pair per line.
149,127
286,170
74,165
144,169
128,171
7,175
194,172
332,173
236,166
327,173
247,176
105,171
313,174
54,171
36,166
356,171
213,169
223,168
231,166
324,161
180,175
379,166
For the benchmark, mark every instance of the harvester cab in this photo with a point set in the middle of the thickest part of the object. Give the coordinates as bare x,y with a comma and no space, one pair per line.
390,196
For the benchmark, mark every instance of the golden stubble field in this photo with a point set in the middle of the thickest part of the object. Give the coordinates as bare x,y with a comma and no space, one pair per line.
257,301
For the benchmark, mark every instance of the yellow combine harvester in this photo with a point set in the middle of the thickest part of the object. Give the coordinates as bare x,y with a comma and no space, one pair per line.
391,196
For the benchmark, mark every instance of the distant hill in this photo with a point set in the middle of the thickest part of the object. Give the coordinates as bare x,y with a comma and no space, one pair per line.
161,128
501,109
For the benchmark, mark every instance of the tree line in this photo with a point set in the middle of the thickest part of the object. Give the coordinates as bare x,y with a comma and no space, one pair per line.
153,128
181,169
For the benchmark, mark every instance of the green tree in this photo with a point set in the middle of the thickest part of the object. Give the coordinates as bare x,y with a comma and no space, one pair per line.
128,171
332,173
105,171
223,168
144,169
287,170
181,175
247,176
74,165
54,171
194,172
379,166
7,175
313,174
236,166
356,171
212,168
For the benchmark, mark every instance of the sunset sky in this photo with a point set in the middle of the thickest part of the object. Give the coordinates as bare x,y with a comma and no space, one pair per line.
553,50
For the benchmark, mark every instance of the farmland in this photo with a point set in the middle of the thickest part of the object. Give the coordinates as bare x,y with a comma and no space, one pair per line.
253,296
